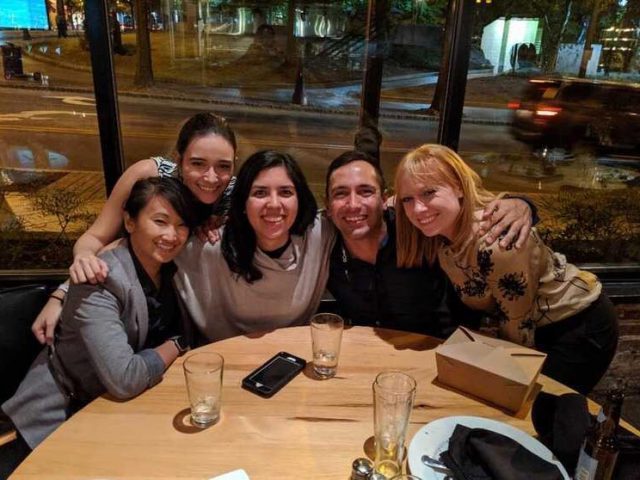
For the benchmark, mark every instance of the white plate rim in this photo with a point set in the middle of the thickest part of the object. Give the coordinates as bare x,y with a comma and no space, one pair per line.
443,427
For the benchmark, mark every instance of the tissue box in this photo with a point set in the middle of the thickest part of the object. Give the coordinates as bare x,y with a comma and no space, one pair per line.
501,372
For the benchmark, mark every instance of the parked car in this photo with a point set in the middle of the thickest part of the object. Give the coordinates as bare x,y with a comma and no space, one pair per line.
565,112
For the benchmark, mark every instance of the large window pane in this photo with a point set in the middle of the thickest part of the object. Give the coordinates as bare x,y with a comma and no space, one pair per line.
570,139
51,183
287,74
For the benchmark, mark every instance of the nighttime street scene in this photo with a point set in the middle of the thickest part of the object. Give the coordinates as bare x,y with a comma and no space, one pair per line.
301,239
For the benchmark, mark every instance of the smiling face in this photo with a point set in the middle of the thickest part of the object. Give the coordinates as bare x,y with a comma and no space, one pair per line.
207,166
272,207
157,234
355,203
433,207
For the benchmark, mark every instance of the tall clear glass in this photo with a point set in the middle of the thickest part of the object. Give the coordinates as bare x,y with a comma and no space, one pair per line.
393,394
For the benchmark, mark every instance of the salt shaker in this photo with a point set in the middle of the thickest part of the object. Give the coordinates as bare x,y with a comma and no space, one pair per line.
361,469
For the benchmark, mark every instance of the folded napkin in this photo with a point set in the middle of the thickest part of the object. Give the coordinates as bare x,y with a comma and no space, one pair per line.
479,454
562,423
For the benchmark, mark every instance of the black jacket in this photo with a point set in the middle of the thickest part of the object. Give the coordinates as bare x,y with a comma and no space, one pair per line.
414,299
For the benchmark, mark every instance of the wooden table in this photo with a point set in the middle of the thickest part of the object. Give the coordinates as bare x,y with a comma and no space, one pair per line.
311,429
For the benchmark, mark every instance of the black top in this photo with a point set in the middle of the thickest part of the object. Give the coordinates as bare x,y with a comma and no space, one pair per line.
414,299
162,303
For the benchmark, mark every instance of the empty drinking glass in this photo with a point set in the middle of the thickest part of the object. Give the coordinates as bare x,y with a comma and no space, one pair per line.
203,374
326,336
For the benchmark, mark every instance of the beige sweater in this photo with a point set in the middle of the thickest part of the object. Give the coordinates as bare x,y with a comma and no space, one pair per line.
223,305
520,288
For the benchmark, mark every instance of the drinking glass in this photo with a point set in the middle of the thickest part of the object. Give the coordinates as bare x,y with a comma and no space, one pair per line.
203,375
393,394
326,336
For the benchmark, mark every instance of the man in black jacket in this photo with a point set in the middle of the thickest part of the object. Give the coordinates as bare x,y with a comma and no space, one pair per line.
364,278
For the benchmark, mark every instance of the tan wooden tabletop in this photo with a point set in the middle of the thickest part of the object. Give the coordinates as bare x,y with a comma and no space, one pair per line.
311,429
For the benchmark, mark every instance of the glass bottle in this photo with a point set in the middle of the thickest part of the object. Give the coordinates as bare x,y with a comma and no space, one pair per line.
600,448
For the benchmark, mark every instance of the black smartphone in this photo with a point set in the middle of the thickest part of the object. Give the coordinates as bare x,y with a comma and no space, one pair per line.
274,374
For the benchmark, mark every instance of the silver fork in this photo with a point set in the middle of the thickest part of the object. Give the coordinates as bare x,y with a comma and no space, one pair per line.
436,465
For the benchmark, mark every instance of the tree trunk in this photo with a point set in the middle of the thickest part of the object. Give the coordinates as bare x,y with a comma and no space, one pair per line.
117,46
592,29
291,54
144,70
436,101
553,36
61,19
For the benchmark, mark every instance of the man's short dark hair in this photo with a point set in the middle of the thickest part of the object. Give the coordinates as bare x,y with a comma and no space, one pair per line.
354,156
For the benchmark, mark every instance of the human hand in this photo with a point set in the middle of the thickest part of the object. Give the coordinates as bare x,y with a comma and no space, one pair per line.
510,216
210,229
45,323
88,269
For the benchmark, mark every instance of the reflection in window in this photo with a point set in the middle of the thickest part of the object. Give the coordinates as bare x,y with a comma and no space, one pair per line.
570,138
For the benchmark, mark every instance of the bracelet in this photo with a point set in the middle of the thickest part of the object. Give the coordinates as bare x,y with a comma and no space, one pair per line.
60,299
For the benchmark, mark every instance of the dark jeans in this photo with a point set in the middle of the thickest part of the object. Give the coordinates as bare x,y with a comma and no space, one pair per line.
580,348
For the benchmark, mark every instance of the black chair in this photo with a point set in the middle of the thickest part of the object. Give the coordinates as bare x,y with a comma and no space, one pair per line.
19,307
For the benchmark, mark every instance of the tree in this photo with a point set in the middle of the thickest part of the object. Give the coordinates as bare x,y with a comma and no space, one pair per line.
596,10
61,18
144,69
291,53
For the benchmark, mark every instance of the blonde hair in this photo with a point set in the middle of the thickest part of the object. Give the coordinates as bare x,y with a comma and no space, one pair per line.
436,164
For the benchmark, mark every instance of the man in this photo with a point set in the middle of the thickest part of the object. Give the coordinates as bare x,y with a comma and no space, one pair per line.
364,278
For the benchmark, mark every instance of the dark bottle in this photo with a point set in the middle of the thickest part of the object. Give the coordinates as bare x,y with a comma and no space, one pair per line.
600,448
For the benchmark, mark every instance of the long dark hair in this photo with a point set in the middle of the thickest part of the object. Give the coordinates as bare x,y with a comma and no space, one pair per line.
172,190
239,239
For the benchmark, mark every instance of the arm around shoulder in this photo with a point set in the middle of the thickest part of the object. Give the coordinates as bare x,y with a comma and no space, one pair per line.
86,266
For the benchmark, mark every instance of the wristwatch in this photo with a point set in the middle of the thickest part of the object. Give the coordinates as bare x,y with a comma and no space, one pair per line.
181,344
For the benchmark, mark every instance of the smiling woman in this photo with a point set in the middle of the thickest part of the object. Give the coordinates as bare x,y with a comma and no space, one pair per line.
271,268
534,296
272,207
117,337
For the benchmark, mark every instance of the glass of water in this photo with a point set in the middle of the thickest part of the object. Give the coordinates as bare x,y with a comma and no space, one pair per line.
326,336
203,374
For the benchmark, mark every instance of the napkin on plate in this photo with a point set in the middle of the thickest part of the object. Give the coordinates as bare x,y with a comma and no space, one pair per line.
479,454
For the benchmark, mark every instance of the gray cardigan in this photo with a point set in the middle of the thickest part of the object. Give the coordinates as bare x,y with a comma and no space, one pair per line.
98,349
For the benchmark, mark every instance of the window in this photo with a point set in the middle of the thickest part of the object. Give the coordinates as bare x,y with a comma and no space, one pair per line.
51,185
565,143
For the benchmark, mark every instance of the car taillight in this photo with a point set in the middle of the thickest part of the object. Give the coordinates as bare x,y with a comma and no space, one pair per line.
547,111
513,105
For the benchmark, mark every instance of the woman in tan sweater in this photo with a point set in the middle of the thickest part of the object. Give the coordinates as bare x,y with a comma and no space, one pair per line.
536,298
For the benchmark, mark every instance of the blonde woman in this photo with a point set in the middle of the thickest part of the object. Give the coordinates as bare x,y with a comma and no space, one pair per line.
536,298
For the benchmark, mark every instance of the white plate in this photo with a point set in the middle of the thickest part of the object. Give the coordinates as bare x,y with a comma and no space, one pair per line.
433,438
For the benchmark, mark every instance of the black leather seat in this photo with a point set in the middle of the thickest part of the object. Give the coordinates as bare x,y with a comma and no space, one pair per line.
19,307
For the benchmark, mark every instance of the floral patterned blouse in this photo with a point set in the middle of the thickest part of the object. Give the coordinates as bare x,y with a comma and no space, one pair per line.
521,289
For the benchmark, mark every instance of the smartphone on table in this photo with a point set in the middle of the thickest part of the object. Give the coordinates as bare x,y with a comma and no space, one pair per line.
274,374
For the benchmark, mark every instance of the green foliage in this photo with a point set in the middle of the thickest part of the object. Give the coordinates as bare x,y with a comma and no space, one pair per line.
591,225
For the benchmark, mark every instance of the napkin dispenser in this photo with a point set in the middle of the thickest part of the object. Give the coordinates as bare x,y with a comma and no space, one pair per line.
498,371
